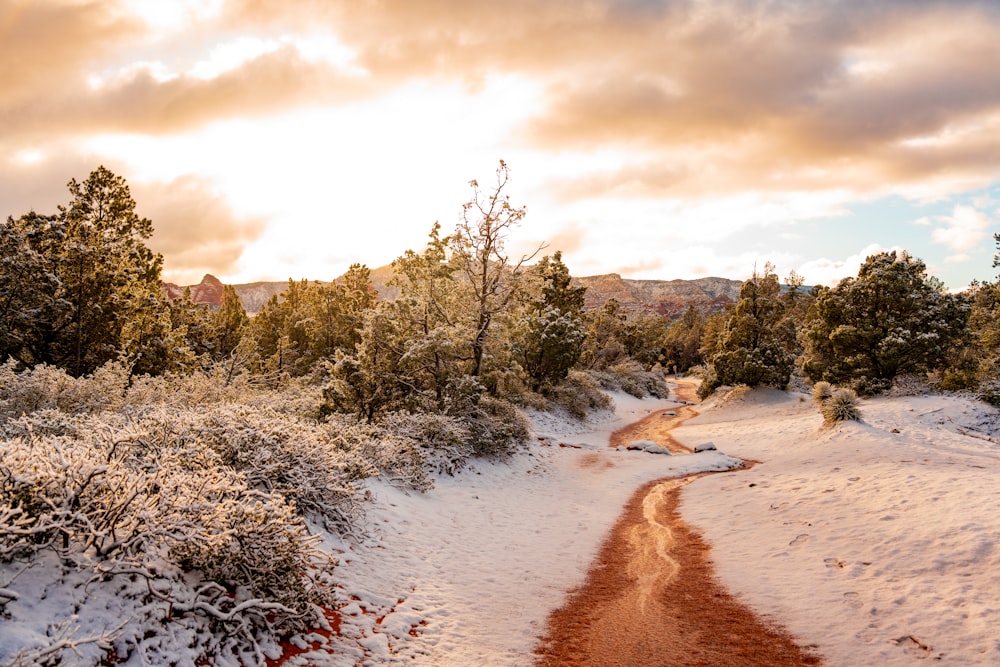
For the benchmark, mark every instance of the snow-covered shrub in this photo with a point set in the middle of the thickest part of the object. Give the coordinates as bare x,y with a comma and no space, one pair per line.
251,540
310,464
187,390
989,392
161,524
579,394
842,405
867,386
497,428
633,379
443,441
399,461
821,392
49,387
917,384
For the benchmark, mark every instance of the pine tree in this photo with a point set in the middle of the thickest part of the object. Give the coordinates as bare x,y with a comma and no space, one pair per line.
683,340
94,293
890,319
549,341
29,303
756,345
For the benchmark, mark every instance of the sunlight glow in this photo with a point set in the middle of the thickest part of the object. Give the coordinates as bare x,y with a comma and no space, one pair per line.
158,71
29,156
173,15
230,55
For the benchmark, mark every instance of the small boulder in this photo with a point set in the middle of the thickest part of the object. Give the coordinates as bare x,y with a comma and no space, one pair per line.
705,447
670,413
640,445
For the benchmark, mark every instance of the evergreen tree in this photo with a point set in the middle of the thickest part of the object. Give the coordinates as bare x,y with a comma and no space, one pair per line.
604,344
755,346
229,324
645,339
107,274
890,319
549,340
95,292
29,286
683,340
413,352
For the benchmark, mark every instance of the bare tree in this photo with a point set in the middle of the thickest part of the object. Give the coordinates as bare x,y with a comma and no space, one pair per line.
478,247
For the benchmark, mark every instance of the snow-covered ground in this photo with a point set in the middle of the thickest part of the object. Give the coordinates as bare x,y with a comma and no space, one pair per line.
877,542
474,566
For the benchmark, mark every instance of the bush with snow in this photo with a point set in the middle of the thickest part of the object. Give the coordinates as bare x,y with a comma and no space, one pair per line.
580,395
633,379
172,515
841,405
48,387
821,392
165,524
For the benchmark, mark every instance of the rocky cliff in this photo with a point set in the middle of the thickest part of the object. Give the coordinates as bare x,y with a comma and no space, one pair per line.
664,297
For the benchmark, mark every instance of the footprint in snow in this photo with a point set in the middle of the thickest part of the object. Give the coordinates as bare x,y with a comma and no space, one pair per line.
853,600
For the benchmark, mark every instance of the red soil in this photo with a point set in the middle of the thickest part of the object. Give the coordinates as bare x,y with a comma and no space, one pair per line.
652,599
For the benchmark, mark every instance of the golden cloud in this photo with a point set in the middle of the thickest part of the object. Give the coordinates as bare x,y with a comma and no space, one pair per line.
195,228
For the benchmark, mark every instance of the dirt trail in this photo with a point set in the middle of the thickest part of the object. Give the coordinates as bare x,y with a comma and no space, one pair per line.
657,426
652,599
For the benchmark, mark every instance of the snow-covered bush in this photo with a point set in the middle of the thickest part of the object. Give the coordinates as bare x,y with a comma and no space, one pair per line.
182,499
497,428
633,379
842,405
443,442
580,394
48,387
309,464
821,392
161,520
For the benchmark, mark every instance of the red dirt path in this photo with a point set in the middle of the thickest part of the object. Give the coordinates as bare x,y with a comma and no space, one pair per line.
652,598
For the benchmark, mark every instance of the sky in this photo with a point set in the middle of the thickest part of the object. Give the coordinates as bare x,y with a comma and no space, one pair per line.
657,139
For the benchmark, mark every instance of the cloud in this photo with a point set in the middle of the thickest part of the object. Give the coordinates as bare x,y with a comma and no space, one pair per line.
829,272
139,100
47,43
716,97
963,229
781,107
194,228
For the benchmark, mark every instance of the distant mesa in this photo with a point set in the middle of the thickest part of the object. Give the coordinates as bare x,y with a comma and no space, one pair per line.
208,291
669,298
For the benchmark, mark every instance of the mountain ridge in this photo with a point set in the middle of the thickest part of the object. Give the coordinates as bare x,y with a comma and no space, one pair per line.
669,298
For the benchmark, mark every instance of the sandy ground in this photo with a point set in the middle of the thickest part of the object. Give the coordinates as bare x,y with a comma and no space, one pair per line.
652,598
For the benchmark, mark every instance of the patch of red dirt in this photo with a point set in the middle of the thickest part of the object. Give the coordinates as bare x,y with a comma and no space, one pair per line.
290,651
688,620
652,599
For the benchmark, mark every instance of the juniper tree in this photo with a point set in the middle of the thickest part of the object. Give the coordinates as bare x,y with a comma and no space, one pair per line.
604,344
891,319
413,351
98,292
683,340
549,340
107,273
29,303
756,343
